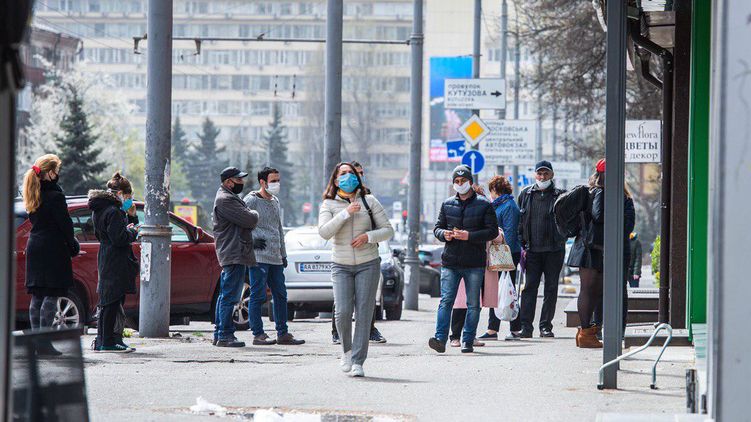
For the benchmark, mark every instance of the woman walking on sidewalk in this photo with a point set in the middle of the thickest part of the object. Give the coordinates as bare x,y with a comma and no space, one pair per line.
117,265
51,245
507,212
356,222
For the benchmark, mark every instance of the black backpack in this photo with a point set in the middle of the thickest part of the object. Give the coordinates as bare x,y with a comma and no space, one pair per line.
568,209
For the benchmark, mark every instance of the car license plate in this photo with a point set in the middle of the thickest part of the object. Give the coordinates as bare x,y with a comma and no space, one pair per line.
315,267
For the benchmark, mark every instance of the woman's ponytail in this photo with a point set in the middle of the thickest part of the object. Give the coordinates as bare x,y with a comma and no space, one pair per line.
32,185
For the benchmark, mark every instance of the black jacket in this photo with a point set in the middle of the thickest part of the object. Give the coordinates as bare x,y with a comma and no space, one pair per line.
51,242
118,266
532,198
474,215
587,251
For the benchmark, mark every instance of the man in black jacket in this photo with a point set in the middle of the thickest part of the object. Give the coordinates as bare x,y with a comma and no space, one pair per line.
466,222
545,248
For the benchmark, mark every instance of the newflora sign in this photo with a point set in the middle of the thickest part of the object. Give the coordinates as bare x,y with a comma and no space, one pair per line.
643,141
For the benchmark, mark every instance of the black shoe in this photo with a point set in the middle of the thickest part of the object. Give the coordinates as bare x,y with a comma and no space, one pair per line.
467,348
525,334
376,337
437,345
488,336
335,338
263,340
546,333
45,348
289,339
229,343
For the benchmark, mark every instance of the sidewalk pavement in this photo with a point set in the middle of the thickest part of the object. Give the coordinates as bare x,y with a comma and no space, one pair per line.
531,380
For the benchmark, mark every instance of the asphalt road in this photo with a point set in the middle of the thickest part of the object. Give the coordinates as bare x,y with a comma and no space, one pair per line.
531,380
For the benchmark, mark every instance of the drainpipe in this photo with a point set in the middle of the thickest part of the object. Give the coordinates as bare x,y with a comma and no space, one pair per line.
666,57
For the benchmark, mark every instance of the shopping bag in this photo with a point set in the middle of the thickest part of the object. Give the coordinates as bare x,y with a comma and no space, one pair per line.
500,258
508,301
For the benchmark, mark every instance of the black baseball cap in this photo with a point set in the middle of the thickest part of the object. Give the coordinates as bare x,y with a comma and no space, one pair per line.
231,172
544,164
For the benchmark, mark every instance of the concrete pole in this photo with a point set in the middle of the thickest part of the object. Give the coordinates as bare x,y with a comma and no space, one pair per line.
154,309
333,96
412,276
615,126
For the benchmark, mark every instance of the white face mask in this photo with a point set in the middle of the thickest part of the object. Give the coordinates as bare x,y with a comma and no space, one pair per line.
463,188
544,184
274,188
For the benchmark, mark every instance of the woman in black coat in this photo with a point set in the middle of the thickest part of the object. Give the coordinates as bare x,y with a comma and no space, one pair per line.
118,266
587,255
51,245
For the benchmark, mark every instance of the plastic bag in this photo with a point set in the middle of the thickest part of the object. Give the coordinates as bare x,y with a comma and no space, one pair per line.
508,300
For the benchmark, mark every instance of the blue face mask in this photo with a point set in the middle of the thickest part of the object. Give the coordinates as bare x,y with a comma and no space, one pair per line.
348,182
127,204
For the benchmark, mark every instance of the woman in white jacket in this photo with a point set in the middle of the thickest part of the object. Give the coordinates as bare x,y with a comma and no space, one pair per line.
356,222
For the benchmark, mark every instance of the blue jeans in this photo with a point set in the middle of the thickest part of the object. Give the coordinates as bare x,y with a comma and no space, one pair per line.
260,276
450,279
230,292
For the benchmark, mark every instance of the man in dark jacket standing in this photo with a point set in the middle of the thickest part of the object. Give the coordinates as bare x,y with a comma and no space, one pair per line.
466,222
545,248
233,222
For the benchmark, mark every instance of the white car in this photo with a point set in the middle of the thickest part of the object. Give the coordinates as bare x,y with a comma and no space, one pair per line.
308,273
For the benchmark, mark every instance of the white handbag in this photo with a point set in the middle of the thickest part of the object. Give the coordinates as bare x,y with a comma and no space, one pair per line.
499,258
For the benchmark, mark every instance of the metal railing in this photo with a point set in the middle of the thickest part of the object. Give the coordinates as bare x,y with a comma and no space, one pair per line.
658,328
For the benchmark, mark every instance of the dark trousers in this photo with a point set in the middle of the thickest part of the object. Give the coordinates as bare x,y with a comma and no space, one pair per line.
516,325
333,320
539,264
111,323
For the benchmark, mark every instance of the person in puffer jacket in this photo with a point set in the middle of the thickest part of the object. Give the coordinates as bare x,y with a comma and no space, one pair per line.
466,221
355,222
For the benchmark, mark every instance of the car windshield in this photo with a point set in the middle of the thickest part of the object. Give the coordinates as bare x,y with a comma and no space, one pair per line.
301,241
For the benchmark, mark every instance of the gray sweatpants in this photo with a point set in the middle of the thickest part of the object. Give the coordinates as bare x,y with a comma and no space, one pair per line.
355,290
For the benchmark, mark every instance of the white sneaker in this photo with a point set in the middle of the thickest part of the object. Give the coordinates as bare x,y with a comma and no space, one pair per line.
357,371
346,361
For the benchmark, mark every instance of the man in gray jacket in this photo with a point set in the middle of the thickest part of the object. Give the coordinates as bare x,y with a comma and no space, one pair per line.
270,262
233,222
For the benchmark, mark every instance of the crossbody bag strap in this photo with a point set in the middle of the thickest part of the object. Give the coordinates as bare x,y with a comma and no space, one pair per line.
370,213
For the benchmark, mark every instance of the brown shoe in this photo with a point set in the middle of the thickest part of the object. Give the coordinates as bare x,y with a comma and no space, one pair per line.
263,340
289,339
587,338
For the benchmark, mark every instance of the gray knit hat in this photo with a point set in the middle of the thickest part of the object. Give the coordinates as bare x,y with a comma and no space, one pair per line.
462,171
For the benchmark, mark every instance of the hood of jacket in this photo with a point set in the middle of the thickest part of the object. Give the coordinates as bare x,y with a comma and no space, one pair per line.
101,199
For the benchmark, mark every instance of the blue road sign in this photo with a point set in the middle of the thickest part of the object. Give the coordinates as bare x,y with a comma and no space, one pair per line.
475,160
456,149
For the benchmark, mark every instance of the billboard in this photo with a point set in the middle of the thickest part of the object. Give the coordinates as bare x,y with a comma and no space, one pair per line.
444,123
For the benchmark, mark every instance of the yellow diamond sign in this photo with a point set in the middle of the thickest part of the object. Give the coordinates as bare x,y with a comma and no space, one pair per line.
474,130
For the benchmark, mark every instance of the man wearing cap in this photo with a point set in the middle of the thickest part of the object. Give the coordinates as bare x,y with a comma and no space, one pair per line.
545,248
233,222
465,223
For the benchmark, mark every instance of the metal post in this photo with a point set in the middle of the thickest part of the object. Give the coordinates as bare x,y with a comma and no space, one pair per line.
154,309
538,149
666,187
504,49
729,363
7,242
517,82
476,39
412,289
615,126
333,102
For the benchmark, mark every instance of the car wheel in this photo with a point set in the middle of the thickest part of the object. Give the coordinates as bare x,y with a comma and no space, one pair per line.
395,313
240,314
435,287
70,311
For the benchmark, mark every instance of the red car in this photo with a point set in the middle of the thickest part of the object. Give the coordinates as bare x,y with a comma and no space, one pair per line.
195,271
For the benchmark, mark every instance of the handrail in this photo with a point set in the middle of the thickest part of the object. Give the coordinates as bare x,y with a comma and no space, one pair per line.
653,386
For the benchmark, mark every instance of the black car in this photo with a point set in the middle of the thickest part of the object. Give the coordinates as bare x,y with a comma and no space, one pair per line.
391,292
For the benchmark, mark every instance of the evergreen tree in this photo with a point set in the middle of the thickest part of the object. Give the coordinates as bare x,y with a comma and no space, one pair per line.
276,144
179,143
82,169
205,167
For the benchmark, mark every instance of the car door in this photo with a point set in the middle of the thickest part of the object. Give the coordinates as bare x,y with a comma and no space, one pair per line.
85,264
190,268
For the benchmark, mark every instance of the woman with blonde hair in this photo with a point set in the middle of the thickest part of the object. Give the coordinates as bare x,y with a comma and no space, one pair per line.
356,222
51,245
